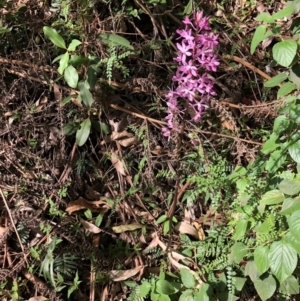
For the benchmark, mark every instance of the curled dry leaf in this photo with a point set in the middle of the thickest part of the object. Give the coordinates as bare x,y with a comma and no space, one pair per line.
200,230
121,275
185,228
89,226
124,138
124,228
117,163
100,206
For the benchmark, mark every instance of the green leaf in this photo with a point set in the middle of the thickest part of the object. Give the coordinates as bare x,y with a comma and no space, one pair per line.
284,52
165,287
265,17
164,298
294,151
283,259
115,40
71,76
77,60
251,270
295,113
281,123
101,127
289,187
290,286
276,80
286,12
238,252
286,89
272,197
239,283
290,206
70,128
188,8
63,63
265,288
187,295
187,278
145,289
275,161
54,37
295,75
240,229
92,76
257,37
294,223
261,259
166,228
84,132
73,45
202,293
161,219
293,242
270,145
85,94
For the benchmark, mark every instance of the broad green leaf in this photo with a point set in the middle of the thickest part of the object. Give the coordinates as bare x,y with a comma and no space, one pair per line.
281,123
115,40
289,187
265,288
251,270
261,259
289,206
286,12
270,145
295,113
71,76
275,161
202,293
84,132
290,286
294,151
284,52
272,197
164,298
5,29
145,289
188,8
67,99
286,89
85,94
54,37
77,60
57,58
294,223
161,219
295,75
238,252
239,282
101,127
283,259
187,278
265,17
165,287
73,45
293,242
166,227
92,76
187,295
257,37
240,229
70,128
63,63
276,80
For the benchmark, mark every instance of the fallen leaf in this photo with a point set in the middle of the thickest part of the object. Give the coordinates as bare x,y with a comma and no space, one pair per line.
121,275
38,298
118,165
81,203
124,228
89,226
200,230
185,228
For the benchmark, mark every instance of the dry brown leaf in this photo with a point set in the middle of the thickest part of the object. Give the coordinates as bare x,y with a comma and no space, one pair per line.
120,135
185,228
121,275
81,203
200,230
129,141
3,230
124,228
225,124
118,165
90,227
38,298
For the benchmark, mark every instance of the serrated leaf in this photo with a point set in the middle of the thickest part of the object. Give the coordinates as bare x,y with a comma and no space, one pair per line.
54,37
276,80
145,289
283,259
295,75
165,287
286,89
71,76
294,223
257,37
294,151
289,206
85,94
290,286
83,133
272,197
275,161
73,45
265,288
187,278
238,252
63,63
289,187
286,12
281,123
115,40
284,52
261,259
